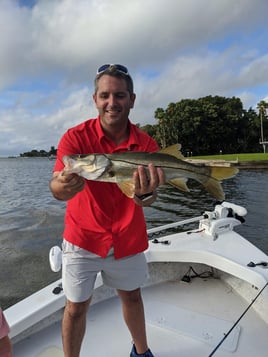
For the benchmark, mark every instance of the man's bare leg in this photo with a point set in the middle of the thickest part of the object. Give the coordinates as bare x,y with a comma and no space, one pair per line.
74,327
133,313
5,347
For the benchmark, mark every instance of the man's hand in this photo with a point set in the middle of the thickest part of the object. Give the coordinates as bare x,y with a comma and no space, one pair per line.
64,186
147,181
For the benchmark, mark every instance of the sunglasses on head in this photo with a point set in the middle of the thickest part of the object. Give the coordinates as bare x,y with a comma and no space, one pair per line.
118,67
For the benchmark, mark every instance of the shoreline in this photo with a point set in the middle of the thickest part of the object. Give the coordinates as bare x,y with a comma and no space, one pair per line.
252,165
242,165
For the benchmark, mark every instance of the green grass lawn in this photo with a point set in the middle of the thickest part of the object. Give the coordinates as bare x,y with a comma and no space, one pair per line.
233,157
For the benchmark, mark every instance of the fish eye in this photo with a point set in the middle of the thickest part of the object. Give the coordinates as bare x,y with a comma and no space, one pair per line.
91,157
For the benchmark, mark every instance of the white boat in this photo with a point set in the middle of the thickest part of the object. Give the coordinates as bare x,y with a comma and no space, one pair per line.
207,295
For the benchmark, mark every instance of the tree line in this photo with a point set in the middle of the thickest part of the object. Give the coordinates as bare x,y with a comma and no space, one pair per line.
40,153
211,125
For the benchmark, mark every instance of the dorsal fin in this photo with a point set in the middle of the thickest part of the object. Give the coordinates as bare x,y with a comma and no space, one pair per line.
173,150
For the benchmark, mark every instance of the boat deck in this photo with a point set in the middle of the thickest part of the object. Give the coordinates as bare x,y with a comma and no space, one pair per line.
188,321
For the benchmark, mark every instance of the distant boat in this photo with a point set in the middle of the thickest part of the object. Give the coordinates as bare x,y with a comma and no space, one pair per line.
52,157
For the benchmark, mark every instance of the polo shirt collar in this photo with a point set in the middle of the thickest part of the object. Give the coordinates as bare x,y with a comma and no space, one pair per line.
132,140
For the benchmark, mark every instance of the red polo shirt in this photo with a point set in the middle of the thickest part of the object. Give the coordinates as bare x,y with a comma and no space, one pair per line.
101,216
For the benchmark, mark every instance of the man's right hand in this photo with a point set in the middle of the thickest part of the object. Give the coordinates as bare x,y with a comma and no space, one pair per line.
64,186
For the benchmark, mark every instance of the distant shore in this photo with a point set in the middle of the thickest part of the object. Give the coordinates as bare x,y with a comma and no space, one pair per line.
241,161
241,165
263,164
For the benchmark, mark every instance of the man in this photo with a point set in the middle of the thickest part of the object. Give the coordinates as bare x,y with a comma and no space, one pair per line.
102,225
5,344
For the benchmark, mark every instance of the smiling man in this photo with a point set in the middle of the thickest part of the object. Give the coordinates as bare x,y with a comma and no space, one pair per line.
105,231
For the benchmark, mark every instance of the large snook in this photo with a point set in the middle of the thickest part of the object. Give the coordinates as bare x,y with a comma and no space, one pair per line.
119,167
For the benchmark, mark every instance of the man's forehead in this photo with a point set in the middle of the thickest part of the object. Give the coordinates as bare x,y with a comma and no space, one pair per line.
107,81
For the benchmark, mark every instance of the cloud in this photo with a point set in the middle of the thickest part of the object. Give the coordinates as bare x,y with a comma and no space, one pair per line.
34,130
176,49
210,73
75,36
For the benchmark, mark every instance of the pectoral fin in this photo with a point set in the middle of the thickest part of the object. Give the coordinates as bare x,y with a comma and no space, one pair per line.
179,183
127,187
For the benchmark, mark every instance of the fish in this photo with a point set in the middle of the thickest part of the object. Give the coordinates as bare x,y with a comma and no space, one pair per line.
119,167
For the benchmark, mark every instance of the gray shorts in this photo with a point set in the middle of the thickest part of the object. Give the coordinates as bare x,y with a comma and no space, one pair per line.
80,268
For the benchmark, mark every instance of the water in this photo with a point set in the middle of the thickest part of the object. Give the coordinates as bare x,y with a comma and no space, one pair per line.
31,220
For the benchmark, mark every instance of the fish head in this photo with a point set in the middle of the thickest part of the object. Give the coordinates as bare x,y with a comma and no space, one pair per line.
90,166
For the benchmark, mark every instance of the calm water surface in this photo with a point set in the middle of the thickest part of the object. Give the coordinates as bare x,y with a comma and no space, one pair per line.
31,220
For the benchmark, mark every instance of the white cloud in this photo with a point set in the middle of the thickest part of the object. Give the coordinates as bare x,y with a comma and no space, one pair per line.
32,130
174,50
76,35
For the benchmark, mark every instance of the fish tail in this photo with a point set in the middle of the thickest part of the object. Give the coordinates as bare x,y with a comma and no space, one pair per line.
223,172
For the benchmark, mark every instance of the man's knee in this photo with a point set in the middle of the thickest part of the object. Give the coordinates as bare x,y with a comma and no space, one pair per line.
130,297
75,310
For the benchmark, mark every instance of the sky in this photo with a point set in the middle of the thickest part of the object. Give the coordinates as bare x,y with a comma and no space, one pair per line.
174,49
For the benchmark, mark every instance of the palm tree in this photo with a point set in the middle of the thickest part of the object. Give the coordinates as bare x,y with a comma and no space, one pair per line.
262,106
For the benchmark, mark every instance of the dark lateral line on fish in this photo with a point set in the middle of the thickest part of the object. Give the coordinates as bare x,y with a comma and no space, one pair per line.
163,167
